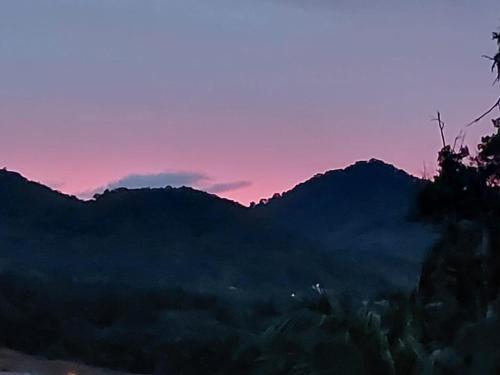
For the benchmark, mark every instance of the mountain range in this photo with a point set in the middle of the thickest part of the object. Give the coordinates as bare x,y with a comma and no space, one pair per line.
347,229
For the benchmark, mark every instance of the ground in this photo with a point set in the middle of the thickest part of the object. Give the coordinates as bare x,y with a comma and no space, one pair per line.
14,362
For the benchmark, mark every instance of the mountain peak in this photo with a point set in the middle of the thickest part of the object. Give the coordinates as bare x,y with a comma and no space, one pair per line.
361,175
373,165
357,193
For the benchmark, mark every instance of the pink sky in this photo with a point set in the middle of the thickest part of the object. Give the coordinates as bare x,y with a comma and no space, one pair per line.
239,91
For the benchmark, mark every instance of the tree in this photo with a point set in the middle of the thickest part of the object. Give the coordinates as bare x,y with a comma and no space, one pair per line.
467,187
496,58
462,274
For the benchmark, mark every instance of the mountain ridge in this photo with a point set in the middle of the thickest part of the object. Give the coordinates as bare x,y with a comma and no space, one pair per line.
4,172
324,229
358,165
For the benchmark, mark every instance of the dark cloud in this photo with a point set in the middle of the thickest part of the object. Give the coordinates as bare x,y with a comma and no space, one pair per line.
229,186
176,179
152,180
136,181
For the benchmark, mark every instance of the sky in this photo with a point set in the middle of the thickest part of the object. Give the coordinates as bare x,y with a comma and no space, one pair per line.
242,98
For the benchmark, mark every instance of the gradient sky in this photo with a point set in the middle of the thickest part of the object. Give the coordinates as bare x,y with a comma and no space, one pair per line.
240,97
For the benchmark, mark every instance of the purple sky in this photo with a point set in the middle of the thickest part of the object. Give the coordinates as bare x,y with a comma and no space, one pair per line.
243,98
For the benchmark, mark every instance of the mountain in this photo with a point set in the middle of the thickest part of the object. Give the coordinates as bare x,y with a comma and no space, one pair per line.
362,212
27,203
368,191
346,229
169,236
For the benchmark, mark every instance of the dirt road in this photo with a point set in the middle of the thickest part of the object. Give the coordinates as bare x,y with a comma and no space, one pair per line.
14,362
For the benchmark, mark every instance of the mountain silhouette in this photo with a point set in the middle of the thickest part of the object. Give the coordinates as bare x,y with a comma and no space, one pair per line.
368,190
362,212
344,228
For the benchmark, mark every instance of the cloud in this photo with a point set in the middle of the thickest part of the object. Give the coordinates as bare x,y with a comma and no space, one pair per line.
159,180
151,180
229,186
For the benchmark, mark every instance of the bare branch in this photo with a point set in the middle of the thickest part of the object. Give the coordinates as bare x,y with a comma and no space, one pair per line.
441,125
496,105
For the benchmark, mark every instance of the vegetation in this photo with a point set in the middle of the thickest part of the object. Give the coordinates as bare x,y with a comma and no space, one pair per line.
185,238
133,329
171,331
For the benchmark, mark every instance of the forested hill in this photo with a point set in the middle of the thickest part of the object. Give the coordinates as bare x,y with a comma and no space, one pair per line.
363,211
319,231
368,191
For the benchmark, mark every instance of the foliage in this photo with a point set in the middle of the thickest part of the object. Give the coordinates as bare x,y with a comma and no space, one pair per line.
456,191
133,329
459,286
496,58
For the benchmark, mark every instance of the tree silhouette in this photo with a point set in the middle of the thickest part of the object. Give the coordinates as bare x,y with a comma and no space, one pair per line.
496,58
463,270
467,187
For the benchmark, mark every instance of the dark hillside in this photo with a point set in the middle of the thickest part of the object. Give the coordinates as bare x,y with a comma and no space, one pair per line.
361,212
346,229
